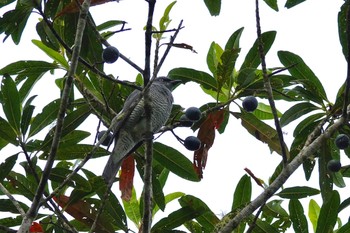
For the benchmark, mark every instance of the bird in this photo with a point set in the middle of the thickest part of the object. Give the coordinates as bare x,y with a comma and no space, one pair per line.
131,134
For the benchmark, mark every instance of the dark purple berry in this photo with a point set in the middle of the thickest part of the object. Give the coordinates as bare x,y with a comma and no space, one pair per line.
110,54
108,140
342,141
250,103
185,121
334,165
192,143
193,114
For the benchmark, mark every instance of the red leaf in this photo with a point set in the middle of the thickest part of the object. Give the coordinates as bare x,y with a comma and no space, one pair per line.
36,228
127,177
73,7
206,135
84,212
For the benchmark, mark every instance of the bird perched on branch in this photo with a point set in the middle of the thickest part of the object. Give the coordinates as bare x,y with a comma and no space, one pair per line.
132,131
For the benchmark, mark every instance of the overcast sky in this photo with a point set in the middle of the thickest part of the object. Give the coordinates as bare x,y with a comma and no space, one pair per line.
309,30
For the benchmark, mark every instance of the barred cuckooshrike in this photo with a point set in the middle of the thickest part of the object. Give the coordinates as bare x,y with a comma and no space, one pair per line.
132,132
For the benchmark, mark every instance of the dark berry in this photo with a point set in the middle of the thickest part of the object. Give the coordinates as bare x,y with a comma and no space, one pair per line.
185,121
193,114
110,54
108,139
342,141
250,103
334,165
192,143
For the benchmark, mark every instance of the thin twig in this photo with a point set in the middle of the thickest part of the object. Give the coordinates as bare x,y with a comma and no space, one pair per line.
253,224
13,200
33,210
172,39
268,87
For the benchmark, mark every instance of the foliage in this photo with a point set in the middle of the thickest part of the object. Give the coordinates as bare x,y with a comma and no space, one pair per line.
83,195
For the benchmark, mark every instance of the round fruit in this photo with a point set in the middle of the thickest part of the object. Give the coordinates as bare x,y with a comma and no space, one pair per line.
334,165
110,54
108,139
185,121
342,141
192,143
250,103
193,114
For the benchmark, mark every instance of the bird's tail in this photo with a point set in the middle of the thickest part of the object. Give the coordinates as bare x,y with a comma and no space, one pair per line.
111,169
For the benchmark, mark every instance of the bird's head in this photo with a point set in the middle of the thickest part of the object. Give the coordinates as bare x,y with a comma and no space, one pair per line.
169,83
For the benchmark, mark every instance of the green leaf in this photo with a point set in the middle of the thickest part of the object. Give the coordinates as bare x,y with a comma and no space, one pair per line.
214,57
168,198
175,219
264,112
298,192
344,204
26,118
79,151
132,209
174,161
208,219
303,74
252,60
13,22
30,71
19,184
342,24
325,178
109,24
59,174
165,20
272,4
233,41
74,137
304,124
314,212
46,117
6,2
7,166
7,132
263,226
328,214
261,131
292,3
297,216
338,179
6,205
11,104
344,229
225,68
187,75
297,111
213,6
59,58
243,193
75,118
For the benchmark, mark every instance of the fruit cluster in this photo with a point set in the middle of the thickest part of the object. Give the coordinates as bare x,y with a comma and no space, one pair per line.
342,141
191,115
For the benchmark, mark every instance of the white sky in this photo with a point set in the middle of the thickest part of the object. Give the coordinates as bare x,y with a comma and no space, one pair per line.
309,30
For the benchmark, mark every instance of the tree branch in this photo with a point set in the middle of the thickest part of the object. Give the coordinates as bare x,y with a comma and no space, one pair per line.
147,177
268,87
33,210
287,171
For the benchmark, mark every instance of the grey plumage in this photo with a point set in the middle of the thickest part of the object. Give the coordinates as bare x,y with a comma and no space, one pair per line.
132,132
